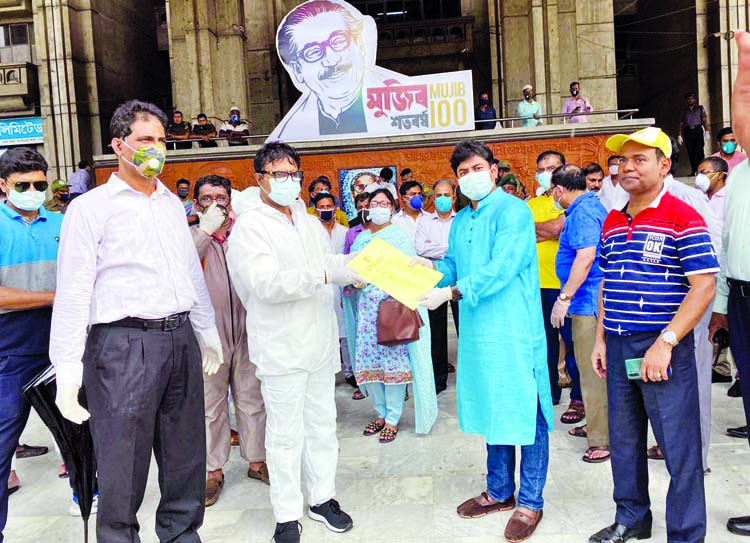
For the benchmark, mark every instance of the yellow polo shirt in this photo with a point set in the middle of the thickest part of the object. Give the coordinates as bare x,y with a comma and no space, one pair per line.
543,209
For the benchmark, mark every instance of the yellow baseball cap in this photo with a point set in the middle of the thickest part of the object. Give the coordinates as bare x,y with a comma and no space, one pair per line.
650,137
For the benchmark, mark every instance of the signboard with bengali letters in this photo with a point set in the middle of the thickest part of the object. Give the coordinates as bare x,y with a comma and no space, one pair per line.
328,47
24,131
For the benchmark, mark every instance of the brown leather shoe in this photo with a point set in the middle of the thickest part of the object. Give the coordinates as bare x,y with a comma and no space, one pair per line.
482,505
259,474
522,524
213,490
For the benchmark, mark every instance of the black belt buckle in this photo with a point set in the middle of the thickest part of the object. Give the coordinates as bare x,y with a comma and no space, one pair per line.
170,323
743,288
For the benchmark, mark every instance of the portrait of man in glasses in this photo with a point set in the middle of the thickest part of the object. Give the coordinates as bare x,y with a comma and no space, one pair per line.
328,48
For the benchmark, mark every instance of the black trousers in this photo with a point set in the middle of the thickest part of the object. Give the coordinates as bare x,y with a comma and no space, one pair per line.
439,333
739,338
694,144
145,392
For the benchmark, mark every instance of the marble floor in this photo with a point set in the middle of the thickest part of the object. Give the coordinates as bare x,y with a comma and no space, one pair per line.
406,491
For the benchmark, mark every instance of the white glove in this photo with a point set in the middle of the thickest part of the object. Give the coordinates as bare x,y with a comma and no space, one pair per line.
343,276
559,312
66,400
706,136
426,262
680,141
212,219
435,297
213,358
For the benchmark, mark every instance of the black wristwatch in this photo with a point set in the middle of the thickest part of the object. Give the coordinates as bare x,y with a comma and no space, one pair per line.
456,294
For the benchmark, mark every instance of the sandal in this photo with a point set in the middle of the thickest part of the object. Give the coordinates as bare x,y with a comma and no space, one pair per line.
388,435
575,413
654,453
591,459
579,431
373,428
358,395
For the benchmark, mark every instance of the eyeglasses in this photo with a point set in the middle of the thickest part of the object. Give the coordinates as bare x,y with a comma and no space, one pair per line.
283,177
23,186
379,204
206,201
337,41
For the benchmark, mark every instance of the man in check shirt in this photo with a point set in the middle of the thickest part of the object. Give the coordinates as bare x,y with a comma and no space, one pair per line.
128,270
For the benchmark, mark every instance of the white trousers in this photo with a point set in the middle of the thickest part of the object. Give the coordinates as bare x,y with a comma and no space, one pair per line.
300,439
704,352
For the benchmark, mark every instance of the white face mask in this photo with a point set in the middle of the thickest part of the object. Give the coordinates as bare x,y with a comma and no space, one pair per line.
702,182
27,201
379,215
614,170
476,185
544,179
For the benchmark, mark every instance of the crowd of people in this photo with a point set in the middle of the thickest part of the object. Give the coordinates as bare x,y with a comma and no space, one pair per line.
180,132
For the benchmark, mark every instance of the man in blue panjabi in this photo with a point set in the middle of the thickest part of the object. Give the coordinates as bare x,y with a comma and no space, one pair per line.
503,389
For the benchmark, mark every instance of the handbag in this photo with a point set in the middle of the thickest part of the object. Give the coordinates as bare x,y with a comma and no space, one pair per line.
397,324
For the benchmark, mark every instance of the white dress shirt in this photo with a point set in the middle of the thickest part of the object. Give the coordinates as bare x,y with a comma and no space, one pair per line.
612,196
124,254
431,238
735,253
407,224
338,240
717,203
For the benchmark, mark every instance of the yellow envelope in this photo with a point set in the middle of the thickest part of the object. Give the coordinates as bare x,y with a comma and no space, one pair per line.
381,264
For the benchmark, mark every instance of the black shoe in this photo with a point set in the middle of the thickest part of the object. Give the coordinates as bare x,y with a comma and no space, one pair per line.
717,377
352,381
439,389
740,432
330,514
739,525
735,391
619,533
451,368
287,532
30,451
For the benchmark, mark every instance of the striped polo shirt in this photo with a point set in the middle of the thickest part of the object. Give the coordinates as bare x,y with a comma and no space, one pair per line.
646,262
28,261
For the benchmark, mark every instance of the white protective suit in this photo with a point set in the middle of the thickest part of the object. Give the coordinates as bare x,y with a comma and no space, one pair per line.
278,269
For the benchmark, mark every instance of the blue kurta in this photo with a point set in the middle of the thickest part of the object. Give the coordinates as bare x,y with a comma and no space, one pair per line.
502,351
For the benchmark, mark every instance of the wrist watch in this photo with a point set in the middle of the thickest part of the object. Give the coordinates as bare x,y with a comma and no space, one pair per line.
564,297
456,294
669,337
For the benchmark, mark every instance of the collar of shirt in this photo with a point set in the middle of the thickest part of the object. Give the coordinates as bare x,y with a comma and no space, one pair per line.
402,213
15,215
116,185
720,193
655,203
435,217
490,198
578,201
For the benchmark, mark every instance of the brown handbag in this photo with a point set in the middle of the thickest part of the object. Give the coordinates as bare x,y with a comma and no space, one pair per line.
397,324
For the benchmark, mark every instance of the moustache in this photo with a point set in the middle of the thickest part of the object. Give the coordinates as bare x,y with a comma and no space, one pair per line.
333,71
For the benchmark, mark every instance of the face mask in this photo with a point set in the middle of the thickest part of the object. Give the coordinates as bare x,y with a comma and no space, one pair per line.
702,182
27,201
326,215
528,95
544,179
416,202
728,147
380,215
183,193
443,204
476,185
64,197
614,170
234,118
557,204
364,216
148,160
484,101
574,93
285,193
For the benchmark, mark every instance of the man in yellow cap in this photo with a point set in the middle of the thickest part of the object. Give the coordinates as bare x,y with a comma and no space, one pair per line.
659,278
60,197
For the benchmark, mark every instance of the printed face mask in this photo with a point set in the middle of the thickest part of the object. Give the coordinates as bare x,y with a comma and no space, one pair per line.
148,160
476,185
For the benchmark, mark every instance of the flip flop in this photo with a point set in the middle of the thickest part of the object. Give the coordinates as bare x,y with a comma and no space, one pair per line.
579,431
654,453
589,459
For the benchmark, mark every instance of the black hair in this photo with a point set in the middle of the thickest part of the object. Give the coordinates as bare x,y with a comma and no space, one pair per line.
183,181
406,186
574,83
569,177
82,165
387,192
128,113
723,132
322,196
273,152
618,157
386,174
176,112
467,149
550,152
592,167
405,171
212,180
21,160
202,115
361,197
320,179
719,164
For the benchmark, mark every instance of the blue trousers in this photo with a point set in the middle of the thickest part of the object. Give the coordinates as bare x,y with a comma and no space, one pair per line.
501,468
388,401
15,373
672,408
549,296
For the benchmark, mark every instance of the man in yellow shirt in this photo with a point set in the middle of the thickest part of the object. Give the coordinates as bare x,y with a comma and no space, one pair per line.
323,184
548,220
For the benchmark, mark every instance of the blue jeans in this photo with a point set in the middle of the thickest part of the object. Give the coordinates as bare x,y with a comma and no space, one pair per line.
15,373
501,467
388,401
549,296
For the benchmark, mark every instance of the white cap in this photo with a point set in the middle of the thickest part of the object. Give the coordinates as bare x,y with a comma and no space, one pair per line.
234,108
527,87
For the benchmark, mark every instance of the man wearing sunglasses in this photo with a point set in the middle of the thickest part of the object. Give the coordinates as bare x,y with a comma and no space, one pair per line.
29,238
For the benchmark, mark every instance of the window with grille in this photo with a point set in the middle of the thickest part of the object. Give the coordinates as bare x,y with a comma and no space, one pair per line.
396,11
16,43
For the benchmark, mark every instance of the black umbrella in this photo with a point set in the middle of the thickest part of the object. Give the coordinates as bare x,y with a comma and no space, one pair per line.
74,440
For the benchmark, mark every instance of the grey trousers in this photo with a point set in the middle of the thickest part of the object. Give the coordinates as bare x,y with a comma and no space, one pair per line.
145,392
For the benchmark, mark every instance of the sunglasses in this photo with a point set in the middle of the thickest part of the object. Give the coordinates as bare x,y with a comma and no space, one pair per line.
23,186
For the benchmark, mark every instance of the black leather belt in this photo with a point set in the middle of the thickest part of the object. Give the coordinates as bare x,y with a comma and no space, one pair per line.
167,323
740,287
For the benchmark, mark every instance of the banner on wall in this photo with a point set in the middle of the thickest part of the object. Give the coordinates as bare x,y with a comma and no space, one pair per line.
329,48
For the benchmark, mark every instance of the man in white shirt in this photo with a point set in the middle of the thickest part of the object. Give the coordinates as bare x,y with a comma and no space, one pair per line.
281,263
128,271
612,195
412,200
431,241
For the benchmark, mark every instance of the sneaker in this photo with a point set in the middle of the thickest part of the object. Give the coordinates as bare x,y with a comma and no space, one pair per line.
330,514
287,532
75,511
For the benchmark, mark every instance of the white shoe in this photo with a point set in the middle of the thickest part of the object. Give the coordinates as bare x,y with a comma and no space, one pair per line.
75,511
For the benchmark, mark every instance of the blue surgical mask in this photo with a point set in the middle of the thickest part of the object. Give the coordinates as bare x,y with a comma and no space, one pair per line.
476,185
284,193
234,118
544,179
728,147
27,201
416,202
379,215
443,204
